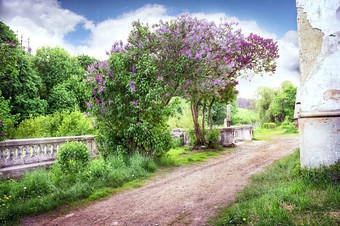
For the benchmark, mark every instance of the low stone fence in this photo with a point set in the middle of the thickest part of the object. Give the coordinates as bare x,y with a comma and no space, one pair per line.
17,156
234,134
228,137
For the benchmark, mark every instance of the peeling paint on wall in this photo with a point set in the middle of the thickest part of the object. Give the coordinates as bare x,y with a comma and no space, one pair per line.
310,40
332,94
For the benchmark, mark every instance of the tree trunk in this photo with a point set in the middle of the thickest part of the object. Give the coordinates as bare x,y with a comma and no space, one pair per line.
203,116
210,117
197,128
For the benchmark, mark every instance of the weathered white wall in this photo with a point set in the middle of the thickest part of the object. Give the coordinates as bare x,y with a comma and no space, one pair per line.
319,118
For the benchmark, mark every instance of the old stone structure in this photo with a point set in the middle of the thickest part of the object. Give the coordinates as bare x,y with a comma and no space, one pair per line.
319,115
17,156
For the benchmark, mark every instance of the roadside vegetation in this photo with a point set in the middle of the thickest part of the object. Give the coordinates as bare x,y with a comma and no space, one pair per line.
285,194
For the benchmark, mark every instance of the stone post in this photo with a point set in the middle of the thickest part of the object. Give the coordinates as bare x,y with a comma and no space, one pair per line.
319,115
227,120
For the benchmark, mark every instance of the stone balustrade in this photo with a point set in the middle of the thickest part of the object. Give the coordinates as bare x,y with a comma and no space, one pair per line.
234,134
18,155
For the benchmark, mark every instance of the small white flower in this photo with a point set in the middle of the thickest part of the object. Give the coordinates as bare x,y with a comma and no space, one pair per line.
25,188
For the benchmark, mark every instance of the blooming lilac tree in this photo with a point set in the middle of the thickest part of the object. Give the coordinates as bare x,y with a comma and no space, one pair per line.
187,57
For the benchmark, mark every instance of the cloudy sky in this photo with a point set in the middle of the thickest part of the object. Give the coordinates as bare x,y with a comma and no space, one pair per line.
92,26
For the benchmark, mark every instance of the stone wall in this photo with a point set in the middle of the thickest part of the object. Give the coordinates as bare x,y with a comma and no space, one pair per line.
319,93
18,156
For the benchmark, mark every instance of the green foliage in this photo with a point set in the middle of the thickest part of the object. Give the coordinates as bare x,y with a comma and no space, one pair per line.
22,88
129,111
276,105
7,121
265,98
8,42
284,102
62,79
182,115
285,195
212,138
72,157
61,98
58,124
288,129
85,61
243,116
269,125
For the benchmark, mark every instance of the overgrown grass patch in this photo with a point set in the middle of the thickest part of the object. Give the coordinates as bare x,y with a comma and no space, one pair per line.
43,190
265,134
182,156
287,195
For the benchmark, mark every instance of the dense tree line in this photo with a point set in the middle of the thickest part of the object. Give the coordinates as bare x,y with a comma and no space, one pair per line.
50,81
276,104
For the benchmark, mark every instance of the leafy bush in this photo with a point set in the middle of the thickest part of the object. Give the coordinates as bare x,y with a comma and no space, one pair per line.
289,129
7,121
58,124
192,138
72,157
212,138
177,142
269,125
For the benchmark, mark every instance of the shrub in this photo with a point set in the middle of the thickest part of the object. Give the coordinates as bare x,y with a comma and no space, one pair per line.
64,123
177,142
269,125
72,157
289,129
212,138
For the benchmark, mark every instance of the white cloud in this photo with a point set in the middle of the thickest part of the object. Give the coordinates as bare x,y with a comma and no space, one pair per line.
46,23
43,22
104,34
287,68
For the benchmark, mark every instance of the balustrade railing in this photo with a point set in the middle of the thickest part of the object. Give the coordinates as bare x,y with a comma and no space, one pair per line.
30,151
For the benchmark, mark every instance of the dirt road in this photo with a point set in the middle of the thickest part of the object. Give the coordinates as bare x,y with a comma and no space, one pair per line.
185,196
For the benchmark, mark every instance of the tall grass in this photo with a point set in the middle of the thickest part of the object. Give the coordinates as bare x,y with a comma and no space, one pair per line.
287,195
42,190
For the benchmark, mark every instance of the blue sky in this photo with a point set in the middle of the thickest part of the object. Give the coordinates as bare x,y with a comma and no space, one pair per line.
92,26
277,16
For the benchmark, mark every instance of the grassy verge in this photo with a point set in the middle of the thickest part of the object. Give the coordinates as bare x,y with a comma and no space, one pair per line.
182,156
264,134
287,195
44,190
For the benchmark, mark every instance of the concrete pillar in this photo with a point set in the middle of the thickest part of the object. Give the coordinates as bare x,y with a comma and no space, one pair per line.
319,115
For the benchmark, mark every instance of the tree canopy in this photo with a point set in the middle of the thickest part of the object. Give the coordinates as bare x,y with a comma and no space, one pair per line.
187,57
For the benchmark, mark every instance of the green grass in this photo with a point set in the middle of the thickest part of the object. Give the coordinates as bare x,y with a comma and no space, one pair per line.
287,195
267,134
44,190
182,156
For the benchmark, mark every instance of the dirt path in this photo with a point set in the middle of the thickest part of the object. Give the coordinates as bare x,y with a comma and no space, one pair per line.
185,196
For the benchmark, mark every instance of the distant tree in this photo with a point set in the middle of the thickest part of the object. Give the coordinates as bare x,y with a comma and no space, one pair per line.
264,99
21,88
7,120
284,102
61,74
276,104
85,61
